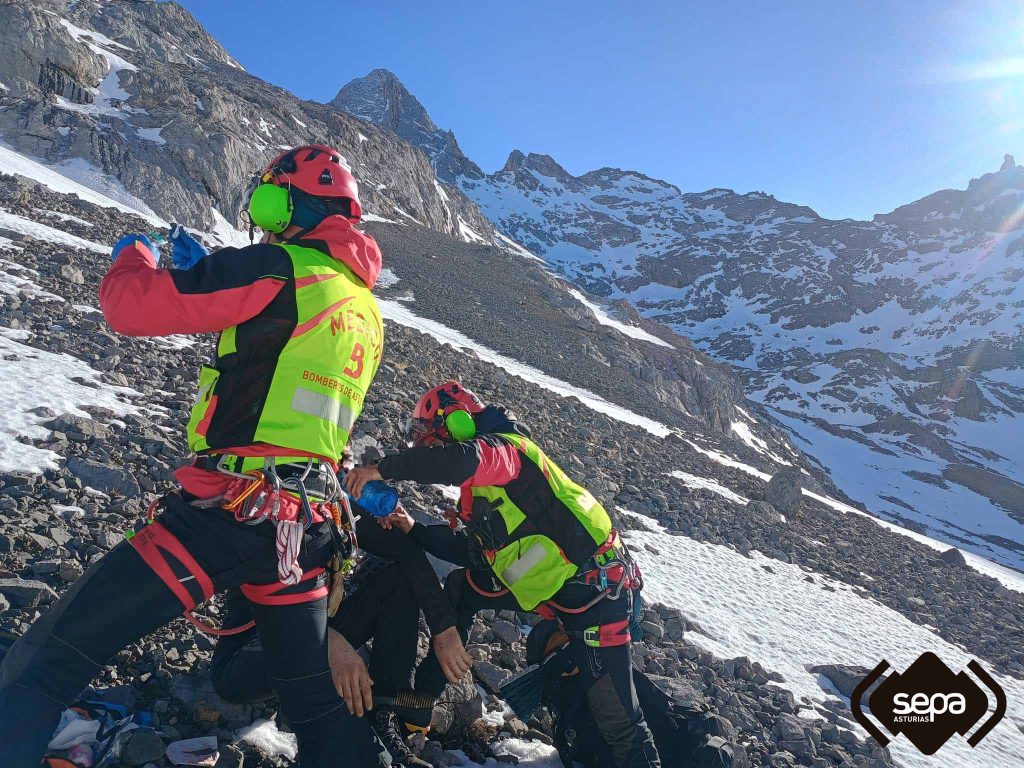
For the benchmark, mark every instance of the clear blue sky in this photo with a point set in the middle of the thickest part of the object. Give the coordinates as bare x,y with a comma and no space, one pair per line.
851,107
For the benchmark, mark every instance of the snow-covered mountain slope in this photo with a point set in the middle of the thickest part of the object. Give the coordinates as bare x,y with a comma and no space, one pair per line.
891,349
744,600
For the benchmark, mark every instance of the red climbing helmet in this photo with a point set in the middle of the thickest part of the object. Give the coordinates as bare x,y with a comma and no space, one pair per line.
317,170
440,416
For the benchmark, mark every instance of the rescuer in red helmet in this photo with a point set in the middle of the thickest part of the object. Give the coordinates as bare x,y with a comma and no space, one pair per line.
532,540
257,509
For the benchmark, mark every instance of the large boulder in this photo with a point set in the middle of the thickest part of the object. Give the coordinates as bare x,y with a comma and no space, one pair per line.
26,593
785,491
953,557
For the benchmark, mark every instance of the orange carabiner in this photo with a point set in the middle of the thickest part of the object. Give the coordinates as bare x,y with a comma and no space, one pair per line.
257,484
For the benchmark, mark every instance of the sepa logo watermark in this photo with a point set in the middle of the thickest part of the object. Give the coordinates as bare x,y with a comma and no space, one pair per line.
928,703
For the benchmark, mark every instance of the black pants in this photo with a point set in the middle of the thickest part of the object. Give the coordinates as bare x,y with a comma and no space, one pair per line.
120,599
606,672
383,608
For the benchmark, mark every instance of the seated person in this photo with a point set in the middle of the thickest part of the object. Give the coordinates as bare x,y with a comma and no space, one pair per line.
383,600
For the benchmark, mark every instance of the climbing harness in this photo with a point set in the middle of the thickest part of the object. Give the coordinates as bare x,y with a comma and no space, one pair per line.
614,573
260,494
254,497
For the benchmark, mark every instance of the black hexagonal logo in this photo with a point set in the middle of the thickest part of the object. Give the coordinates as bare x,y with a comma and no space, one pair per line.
929,703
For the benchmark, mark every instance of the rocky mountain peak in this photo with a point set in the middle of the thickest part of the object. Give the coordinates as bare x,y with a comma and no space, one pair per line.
545,165
515,161
988,202
382,99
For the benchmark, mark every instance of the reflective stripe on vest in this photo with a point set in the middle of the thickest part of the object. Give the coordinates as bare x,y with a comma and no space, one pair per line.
533,567
320,378
533,557
323,407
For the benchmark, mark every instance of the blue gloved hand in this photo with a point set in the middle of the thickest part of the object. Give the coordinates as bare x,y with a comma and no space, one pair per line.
186,251
127,240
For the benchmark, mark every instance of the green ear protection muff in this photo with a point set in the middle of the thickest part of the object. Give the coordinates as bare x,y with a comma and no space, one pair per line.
271,207
460,425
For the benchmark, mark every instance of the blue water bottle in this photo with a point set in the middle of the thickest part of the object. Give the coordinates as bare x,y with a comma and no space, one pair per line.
379,498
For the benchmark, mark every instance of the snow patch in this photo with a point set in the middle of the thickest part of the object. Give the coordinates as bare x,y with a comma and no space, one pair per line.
153,134
387,279
1008,577
787,624
746,434
379,219
264,737
625,329
708,484
64,217
516,248
528,753
34,378
177,341
89,35
43,232
78,177
18,279
401,314
109,89
224,233
468,234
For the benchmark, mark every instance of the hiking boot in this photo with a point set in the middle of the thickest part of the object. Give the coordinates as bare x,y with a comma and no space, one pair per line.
392,734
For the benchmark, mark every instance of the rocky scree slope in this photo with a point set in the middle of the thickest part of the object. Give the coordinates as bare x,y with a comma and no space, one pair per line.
106,465
891,348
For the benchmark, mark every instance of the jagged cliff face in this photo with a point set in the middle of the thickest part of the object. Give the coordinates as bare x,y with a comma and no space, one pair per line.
892,347
140,93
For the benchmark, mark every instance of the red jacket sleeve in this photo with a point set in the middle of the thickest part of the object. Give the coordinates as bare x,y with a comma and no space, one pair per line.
487,460
224,289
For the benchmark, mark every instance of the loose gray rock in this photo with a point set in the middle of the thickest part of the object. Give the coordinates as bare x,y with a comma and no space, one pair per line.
490,675
109,480
25,593
505,631
143,746
72,425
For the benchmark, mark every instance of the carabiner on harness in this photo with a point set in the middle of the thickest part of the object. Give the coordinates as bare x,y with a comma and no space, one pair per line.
250,506
296,484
